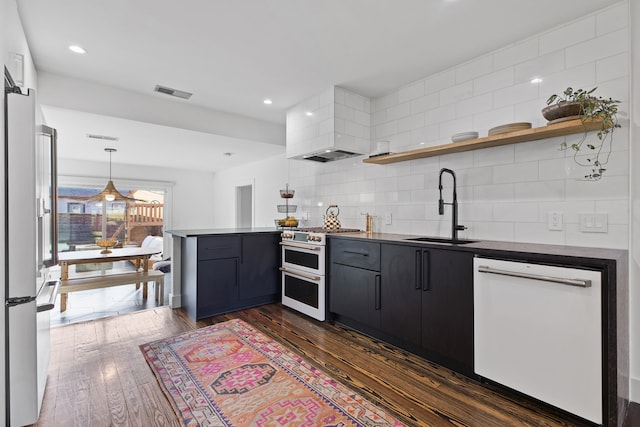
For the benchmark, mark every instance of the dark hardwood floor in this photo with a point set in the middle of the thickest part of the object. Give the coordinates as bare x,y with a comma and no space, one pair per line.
98,376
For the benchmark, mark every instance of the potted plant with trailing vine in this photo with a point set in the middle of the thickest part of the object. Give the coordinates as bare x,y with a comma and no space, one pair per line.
573,104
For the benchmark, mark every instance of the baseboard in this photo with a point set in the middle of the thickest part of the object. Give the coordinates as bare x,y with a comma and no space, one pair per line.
175,301
634,390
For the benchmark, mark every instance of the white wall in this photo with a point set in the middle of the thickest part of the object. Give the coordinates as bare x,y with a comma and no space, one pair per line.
191,201
267,177
634,252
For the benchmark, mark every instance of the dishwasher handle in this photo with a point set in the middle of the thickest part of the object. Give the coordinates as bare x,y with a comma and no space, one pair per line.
582,283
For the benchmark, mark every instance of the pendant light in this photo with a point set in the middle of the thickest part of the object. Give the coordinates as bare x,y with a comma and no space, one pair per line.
110,193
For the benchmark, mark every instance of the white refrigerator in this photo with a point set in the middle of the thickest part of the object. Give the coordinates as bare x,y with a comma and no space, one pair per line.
30,251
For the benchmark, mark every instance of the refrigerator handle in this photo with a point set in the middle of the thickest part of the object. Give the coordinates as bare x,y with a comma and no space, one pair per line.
51,287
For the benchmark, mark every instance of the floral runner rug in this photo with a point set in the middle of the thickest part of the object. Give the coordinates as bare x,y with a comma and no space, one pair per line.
229,374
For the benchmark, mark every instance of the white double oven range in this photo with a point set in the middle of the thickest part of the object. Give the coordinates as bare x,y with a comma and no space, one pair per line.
304,269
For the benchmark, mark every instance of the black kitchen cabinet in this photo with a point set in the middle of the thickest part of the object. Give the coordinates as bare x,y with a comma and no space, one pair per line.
354,277
217,284
447,309
427,300
259,255
401,271
356,294
229,272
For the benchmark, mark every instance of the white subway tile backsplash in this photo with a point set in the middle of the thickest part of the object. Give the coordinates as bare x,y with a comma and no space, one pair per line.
539,191
410,92
568,35
496,80
424,103
617,236
582,76
515,212
399,111
378,117
385,102
494,193
515,54
514,94
439,115
411,212
608,187
494,156
482,122
616,210
439,81
538,233
473,69
540,67
570,210
613,67
456,93
612,19
387,129
475,105
415,121
504,193
492,231
600,47
515,172
452,127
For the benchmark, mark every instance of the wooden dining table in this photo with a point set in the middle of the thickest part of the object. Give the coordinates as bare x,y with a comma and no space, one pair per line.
139,257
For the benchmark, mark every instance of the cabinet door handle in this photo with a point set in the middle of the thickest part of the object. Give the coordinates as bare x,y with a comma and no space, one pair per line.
418,269
426,285
237,271
356,253
378,290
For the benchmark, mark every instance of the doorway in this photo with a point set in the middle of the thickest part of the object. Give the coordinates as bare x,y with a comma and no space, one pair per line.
244,206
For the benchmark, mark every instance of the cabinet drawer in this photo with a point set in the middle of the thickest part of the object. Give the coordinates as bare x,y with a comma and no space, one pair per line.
355,253
218,247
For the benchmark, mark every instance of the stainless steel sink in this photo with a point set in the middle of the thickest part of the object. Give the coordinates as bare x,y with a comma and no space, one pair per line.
441,240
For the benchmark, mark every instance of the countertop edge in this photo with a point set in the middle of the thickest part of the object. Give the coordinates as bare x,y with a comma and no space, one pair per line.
497,248
221,231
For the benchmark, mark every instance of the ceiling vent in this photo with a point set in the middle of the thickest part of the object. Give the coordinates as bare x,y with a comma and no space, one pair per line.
102,137
173,92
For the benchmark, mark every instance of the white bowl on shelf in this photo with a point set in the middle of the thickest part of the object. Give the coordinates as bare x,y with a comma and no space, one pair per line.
463,136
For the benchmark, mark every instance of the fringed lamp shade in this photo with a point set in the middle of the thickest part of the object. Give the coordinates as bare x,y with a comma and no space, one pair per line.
110,193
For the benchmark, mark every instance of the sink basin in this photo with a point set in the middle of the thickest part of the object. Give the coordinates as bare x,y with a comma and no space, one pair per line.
441,240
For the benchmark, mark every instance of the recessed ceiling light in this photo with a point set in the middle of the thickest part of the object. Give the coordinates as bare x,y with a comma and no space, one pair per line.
77,49
536,80
268,101
309,113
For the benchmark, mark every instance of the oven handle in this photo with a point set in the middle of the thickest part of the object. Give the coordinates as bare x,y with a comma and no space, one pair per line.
297,273
301,246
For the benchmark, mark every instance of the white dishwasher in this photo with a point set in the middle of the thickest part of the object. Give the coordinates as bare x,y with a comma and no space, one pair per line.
537,330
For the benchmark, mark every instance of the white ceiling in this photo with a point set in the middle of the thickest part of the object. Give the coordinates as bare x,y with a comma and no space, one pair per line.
233,53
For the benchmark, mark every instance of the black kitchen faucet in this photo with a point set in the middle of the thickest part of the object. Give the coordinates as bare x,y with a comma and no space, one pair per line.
454,204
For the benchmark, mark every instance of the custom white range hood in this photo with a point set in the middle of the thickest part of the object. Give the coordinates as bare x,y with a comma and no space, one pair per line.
330,126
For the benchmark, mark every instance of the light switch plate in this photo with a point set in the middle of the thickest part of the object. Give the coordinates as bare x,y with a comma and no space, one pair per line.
594,222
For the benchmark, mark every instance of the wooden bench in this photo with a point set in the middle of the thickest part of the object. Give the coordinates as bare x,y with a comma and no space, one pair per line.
108,280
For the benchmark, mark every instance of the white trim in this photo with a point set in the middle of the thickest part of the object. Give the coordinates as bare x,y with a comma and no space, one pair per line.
97,182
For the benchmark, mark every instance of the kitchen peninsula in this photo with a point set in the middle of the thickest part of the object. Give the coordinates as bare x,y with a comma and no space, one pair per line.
215,271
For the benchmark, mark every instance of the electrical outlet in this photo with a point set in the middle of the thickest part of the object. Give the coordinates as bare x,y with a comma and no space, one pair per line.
387,218
554,221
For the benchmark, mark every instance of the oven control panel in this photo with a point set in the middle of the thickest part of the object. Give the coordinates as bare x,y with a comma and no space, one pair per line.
318,239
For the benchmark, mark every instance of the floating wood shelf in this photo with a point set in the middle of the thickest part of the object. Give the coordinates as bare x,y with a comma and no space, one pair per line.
549,131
